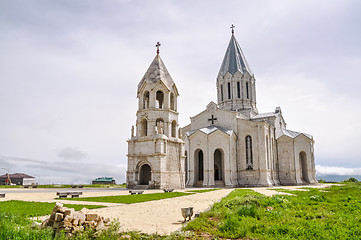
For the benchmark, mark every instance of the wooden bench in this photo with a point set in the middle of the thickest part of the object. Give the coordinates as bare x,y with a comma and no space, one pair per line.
168,190
66,194
75,186
132,192
2,195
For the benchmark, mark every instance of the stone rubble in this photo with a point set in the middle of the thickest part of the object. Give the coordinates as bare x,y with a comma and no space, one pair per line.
70,221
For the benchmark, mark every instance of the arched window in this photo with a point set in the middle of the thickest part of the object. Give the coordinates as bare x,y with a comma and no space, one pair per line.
221,92
267,154
144,128
174,129
229,90
249,157
146,100
159,99
238,90
247,90
172,103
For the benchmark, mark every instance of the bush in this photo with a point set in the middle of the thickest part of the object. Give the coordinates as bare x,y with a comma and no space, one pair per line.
351,179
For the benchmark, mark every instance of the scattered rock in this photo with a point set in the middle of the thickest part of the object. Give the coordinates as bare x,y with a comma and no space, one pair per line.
71,221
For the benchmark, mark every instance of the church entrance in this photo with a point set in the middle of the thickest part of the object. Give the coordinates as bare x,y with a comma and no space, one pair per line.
303,167
145,174
218,165
199,164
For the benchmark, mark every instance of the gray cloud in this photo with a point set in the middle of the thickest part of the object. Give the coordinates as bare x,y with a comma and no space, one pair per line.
71,153
69,72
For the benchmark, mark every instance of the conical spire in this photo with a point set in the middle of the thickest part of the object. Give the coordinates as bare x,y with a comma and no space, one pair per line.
157,72
234,59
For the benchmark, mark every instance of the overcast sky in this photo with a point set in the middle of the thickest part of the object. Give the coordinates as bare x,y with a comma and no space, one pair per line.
69,72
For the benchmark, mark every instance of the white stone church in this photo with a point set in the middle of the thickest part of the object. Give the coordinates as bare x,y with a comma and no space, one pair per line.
229,144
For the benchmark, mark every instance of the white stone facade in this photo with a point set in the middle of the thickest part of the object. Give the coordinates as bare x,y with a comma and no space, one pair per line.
155,151
229,144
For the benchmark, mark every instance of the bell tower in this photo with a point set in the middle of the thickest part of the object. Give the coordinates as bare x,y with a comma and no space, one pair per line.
155,150
236,85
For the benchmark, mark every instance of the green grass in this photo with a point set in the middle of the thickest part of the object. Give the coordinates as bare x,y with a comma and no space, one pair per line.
203,190
8,186
32,209
128,199
314,214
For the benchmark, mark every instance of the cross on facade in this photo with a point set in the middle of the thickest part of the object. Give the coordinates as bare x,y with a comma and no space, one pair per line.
158,45
232,27
212,119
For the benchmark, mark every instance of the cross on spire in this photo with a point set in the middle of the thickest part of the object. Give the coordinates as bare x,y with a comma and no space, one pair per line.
212,119
232,27
158,45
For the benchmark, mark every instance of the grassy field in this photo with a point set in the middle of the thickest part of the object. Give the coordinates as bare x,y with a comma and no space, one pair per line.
203,190
333,213
33,209
128,199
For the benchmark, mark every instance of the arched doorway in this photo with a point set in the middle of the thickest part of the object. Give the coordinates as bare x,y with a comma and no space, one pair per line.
145,174
303,167
199,164
218,165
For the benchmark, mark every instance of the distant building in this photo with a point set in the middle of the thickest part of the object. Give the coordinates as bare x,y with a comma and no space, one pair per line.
18,179
104,180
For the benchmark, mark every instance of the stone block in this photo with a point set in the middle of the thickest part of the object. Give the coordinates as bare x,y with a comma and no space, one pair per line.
59,217
58,225
106,220
75,221
100,225
57,206
62,209
78,228
68,218
50,223
84,210
92,217
68,224
81,216
69,212
52,215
